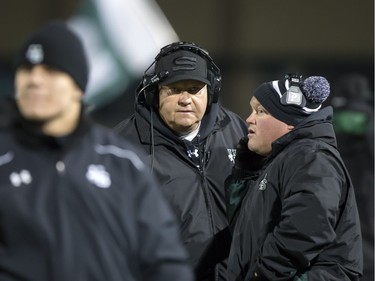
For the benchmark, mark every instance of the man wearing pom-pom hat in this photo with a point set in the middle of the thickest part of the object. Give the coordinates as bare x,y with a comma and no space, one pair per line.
291,203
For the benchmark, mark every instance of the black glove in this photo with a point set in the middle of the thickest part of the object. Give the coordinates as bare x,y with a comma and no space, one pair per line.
247,162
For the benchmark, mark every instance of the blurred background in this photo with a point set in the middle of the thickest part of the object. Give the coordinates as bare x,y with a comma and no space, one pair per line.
251,41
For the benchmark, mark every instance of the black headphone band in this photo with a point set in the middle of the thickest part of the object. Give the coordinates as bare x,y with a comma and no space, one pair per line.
191,47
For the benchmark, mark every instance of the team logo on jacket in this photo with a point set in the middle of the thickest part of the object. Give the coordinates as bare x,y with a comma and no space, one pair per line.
97,175
20,178
231,154
263,183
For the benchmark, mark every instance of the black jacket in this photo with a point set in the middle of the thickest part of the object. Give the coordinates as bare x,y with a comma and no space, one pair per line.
82,207
299,219
196,194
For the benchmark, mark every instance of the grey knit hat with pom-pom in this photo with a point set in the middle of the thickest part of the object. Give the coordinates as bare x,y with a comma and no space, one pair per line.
293,98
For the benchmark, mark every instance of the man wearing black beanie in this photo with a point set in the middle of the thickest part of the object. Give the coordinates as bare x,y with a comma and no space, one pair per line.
56,46
76,202
290,200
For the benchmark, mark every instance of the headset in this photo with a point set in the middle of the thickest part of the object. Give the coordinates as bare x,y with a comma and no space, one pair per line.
294,94
147,91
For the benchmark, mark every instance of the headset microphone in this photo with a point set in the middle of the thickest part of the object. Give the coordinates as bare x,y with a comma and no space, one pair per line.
153,80
159,76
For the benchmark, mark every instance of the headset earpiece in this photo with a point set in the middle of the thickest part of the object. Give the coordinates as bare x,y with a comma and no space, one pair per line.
152,97
143,91
215,87
147,90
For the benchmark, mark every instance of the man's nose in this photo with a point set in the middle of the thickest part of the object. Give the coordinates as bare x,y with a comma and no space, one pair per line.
185,96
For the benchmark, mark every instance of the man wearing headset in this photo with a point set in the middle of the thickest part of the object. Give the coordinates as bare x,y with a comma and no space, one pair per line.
190,141
294,217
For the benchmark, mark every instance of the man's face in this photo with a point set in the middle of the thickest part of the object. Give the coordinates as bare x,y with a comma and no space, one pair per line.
263,129
183,104
46,94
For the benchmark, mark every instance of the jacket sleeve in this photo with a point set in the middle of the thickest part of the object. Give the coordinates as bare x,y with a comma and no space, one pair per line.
311,190
161,253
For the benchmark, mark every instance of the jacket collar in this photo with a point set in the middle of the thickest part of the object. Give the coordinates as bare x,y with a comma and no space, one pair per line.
316,126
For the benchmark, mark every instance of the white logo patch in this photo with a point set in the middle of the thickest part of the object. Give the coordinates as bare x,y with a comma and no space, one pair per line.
231,154
23,177
193,153
35,53
97,175
263,183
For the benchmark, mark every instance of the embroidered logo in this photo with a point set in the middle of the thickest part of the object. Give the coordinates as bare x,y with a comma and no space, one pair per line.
20,178
35,53
97,175
231,154
263,183
184,63
194,153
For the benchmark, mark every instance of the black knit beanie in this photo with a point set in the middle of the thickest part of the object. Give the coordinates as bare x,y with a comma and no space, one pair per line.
292,99
57,46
